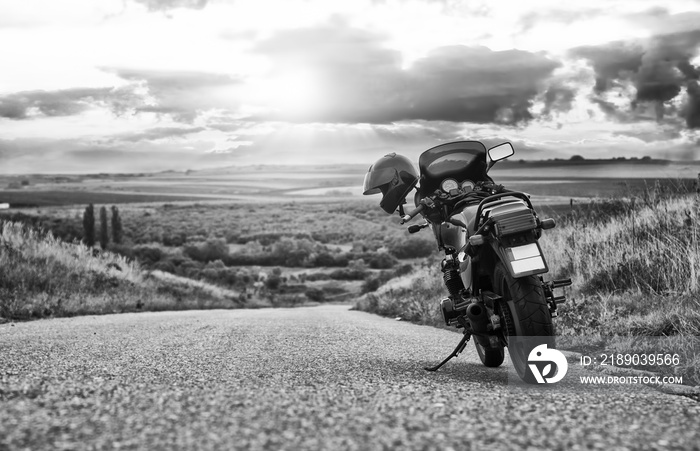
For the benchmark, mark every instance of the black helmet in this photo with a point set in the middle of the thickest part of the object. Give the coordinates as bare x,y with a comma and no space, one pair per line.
392,175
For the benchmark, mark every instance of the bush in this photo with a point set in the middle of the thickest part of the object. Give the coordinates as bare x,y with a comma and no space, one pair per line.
211,250
357,270
148,254
315,294
326,259
412,247
382,260
174,239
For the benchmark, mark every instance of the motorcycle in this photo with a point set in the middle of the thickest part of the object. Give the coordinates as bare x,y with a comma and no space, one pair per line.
493,262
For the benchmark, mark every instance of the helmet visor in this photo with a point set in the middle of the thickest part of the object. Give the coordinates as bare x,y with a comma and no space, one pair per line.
375,179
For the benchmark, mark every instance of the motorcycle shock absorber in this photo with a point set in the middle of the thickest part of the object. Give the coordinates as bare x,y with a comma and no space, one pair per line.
450,275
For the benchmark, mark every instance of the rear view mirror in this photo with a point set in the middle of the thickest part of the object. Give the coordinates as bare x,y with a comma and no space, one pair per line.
501,152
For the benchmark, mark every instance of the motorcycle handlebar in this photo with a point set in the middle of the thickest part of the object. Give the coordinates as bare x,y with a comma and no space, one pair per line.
412,214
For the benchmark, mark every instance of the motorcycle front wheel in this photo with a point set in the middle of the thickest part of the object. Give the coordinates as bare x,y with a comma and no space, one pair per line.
527,315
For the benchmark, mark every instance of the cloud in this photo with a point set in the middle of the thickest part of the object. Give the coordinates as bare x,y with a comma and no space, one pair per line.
183,94
156,133
360,80
475,84
165,5
66,102
659,69
611,61
531,19
691,109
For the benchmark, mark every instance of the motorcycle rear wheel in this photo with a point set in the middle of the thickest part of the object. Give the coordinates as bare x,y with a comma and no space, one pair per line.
527,316
491,357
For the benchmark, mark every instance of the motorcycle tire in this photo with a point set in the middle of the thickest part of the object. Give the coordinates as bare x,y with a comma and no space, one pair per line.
490,357
528,315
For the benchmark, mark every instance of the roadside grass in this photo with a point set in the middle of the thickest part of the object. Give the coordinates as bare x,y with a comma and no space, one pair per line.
41,276
635,267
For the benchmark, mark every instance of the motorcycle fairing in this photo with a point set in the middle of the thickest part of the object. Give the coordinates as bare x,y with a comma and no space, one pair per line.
462,160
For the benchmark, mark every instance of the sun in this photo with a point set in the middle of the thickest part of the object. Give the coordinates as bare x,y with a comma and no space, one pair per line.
290,93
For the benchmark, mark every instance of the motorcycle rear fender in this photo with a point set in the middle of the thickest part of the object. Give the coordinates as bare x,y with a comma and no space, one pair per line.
521,255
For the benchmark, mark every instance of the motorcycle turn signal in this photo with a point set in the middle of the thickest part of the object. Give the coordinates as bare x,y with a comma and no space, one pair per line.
546,224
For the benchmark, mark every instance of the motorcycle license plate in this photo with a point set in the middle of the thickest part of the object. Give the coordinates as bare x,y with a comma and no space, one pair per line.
526,260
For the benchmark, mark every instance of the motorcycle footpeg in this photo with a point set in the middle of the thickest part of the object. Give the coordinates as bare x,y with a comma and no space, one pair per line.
561,283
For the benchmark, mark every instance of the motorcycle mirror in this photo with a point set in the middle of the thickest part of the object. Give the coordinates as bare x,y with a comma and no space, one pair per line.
501,152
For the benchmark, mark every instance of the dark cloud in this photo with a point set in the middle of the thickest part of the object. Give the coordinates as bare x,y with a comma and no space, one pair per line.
691,110
558,98
475,84
165,5
659,68
611,61
362,81
66,102
181,94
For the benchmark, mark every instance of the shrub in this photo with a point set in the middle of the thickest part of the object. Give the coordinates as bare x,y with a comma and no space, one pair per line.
382,260
315,294
412,247
148,254
211,250
356,270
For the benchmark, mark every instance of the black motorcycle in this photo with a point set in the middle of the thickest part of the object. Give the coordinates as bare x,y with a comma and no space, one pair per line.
493,262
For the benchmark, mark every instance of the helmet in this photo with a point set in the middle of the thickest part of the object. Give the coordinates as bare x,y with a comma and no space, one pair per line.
392,175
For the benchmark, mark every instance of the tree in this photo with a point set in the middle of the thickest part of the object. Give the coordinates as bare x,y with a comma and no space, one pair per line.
576,158
89,225
117,232
104,232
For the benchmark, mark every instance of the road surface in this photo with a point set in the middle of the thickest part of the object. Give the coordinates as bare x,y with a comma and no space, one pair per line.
307,378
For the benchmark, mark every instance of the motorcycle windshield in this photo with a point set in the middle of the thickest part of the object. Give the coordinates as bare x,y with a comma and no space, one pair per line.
463,160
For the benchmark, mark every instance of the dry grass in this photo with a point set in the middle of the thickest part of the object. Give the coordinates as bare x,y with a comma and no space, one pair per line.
42,276
648,248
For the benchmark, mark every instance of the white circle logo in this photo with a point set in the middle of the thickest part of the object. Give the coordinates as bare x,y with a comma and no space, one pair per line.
556,368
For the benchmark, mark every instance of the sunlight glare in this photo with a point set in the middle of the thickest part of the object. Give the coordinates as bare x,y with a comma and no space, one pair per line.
292,93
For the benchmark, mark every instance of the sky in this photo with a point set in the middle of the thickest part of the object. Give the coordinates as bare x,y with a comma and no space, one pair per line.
151,85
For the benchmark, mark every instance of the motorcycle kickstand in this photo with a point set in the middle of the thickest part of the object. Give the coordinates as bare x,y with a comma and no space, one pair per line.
455,353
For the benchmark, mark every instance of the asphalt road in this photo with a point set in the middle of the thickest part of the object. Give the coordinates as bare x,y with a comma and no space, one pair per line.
307,378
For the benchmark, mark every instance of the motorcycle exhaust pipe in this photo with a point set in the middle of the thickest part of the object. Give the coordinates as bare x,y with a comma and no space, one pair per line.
478,318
